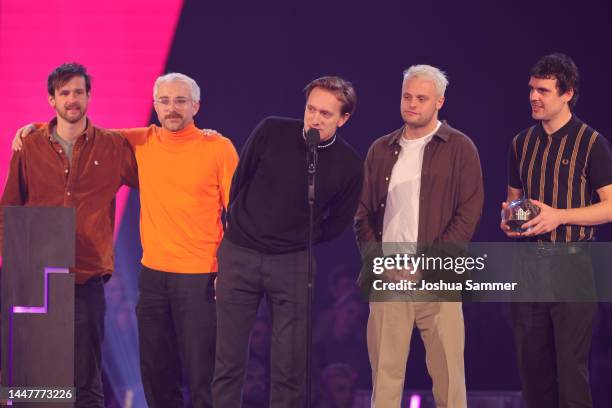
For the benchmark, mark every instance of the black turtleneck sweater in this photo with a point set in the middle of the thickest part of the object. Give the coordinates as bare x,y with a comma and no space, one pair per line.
268,208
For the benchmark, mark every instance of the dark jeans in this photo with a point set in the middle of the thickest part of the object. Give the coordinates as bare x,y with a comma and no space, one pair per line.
552,342
89,309
244,276
176,333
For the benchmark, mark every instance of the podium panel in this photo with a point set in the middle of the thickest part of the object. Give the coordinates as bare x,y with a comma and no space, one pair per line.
38,298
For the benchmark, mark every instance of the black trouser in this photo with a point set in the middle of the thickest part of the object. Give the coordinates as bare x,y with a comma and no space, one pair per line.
552,342
89,309
244,276
176,332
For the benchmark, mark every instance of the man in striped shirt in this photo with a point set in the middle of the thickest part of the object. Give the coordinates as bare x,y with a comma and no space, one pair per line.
559,163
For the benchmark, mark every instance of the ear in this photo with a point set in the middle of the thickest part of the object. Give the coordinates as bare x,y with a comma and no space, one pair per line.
157,110
440,103
51,101
196,107
343,119
568,95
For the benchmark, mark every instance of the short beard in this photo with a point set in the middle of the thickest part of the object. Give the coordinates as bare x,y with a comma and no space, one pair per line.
71,120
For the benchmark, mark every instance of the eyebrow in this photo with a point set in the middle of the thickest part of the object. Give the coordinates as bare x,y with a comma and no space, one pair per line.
176,97
539,88
309,105
416,96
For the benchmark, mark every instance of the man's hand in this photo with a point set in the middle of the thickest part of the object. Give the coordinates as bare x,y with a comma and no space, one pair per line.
215,288
548,219
506,228
210,132
398,275
21,133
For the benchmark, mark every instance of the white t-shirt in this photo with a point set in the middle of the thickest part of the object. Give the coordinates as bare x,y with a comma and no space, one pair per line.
401,221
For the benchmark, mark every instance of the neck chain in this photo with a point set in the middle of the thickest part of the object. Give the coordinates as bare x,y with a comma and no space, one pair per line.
325,145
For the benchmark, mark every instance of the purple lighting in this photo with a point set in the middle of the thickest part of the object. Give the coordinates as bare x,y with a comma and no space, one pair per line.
41,309
415,401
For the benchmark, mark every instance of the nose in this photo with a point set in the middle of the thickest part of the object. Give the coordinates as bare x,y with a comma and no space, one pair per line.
316,117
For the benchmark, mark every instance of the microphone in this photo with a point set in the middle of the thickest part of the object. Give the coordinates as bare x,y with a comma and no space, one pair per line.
313,137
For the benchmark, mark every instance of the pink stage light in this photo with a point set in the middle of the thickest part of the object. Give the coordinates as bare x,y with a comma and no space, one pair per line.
123,43
415,401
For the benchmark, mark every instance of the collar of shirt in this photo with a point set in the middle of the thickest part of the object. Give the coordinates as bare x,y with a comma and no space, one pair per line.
570,127
88,132
187,134
443,132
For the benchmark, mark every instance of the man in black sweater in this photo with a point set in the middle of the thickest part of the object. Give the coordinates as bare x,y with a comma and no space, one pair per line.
264,250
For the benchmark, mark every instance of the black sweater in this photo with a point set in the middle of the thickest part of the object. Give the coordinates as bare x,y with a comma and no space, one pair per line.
268,208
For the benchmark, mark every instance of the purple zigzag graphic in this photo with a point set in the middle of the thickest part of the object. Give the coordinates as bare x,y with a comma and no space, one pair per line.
41,309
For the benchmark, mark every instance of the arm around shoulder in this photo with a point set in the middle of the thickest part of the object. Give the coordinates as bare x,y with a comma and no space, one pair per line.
129,168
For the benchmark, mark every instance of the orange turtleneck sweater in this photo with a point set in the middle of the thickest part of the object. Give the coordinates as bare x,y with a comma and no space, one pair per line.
184,180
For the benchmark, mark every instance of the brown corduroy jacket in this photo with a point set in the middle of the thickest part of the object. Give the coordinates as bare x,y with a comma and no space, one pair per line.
41,175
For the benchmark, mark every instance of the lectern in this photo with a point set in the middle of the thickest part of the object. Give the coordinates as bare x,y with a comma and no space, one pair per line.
38,298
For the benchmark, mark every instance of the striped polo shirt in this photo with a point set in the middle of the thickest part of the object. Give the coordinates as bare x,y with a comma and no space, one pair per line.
562,170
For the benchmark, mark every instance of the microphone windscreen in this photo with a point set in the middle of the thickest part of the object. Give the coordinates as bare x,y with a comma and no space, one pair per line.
313,137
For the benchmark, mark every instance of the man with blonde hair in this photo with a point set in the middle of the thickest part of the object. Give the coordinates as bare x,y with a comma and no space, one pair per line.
425,161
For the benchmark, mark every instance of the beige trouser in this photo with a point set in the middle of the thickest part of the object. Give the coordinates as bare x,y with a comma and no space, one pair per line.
389,331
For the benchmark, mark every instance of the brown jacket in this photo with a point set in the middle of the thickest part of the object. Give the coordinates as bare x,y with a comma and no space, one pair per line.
451,195
40,175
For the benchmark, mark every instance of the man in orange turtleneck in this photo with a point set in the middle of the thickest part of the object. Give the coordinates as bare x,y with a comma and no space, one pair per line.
184,178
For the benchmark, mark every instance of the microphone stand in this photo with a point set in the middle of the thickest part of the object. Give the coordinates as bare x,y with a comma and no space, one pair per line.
312,168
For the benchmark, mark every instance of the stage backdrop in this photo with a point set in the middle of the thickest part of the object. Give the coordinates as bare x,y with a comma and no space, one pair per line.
254,58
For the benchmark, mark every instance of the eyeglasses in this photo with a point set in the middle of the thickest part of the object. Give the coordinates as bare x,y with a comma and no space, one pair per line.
179,102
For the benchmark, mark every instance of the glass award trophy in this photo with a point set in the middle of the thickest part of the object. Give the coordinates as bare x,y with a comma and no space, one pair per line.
519,212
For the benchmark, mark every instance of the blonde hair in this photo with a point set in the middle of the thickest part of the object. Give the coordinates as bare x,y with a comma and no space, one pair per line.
432,73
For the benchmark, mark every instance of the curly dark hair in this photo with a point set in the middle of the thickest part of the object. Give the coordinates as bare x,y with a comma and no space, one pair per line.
64,73
562,68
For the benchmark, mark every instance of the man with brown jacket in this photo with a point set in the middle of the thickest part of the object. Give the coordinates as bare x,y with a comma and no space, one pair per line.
422,185
71,163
